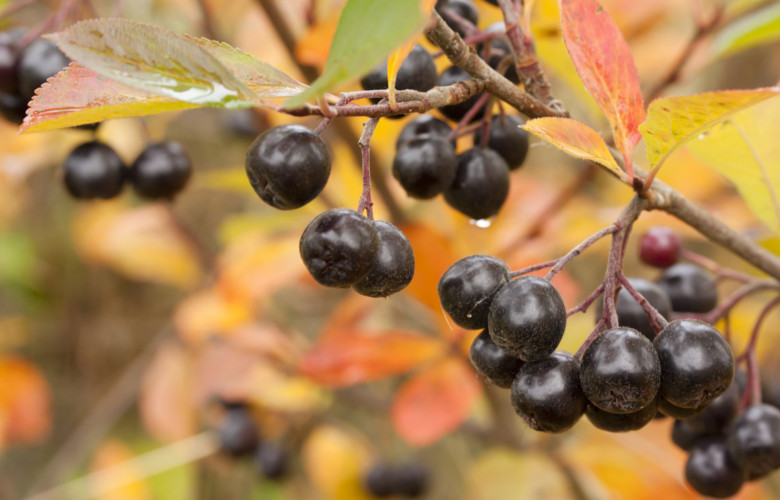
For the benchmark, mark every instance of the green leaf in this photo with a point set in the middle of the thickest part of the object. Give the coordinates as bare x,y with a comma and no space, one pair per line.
758,28
745,150
155,60
368,31
673,121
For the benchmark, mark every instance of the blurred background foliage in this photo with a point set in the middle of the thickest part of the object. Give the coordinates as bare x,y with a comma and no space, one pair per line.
123,323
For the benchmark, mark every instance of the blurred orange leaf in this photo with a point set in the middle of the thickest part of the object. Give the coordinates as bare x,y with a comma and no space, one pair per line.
25,413
433,255
335,460
605,65
435,402
209,313
313,47
358,357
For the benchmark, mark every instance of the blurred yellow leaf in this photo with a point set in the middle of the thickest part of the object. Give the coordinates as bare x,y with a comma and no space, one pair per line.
115,453
208,313
272,389
502,474
335,460
757,28
25,413
143,243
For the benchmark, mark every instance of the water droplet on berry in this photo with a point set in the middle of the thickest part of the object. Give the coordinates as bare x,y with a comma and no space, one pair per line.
481,223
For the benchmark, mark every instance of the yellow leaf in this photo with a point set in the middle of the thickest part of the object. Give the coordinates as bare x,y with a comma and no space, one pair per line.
335,460
276,391
210,312
114,453
502,474
674,121
576,139
394,62
746,151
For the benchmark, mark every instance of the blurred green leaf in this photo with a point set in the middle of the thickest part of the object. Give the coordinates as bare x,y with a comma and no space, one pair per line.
758,28
368,31
18,264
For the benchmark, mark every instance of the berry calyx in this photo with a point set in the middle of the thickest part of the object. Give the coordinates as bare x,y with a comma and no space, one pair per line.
690,288
507,139
467,288
94,170
288,166
527,318
161,170
338,247
425,165
481,184
393,265
660,246
492,363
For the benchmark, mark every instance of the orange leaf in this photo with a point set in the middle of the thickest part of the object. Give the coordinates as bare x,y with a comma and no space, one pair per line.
25,414
394,62
433,255
435,402
606,67
576,139
357,357
335,460
313,47
209,313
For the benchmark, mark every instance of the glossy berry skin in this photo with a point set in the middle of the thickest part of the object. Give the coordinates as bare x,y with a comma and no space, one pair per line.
462,8
288,166
690,288
38,62
660,246
417,72
719,415
9,62
161,171
423,124
527,318
338,247
412,479
425,165
456,112
507,139
467,288
271,460
94,170
631,314
498,367
670,410
237,432
711,470
620,372
547,393
393,266
697,364
616,422
754,439
481,184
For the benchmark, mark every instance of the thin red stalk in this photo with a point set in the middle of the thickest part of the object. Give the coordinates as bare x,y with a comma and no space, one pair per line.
585,304
714,267
752,394
751,345
727,305
14,7
656,319
591,337
574,252
483,99
535,267
365,148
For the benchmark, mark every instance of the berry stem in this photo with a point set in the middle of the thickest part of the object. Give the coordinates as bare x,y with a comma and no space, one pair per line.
727,305
364,142
714,267
752,394
657,321
591,337
585,304
751,345
574,252
483,99
535,267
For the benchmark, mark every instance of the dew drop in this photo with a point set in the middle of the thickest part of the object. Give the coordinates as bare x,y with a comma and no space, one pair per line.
482,223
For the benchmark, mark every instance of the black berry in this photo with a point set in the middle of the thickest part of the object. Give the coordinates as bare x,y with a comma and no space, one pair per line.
697,364
412,479
464,9
94,170
631,314
754,439
237,431
456,112
547,393
527,318
271,460
161,170
425,165
9,62
683,436
719,415
660,247
620,372
409,480
491,362
338,247
467,288
381,480
13,108
417,72
617,422
674,411
711,470
393,265
689,288
481,184
288,166
506,139
38,62
423,124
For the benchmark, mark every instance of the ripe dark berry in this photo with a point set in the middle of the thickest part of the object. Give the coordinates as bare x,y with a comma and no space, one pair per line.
660,247
620,372
617,422
425,166
467,288
527,318
689,288
271,460
631,314
683,436
13,108
506,139
94,170
9,62
38,62
697,364
754,439
161,170
288,166
492,363
481,184
237,431
381,480
719,414
670,410
412,479
417,72
424,124
393,266
456,112
547,393
462,8
338,247
711,470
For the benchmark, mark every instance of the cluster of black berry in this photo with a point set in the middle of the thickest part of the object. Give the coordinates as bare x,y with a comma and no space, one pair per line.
24,69
407,479
94,170
238,436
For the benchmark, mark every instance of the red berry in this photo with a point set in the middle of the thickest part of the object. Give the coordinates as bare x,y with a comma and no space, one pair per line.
660,247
